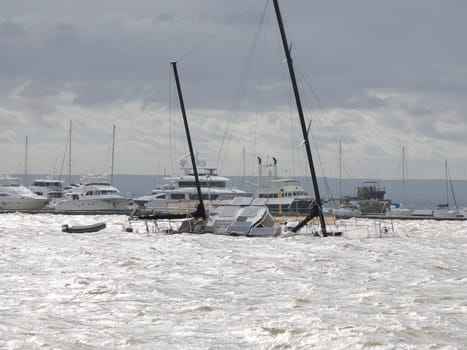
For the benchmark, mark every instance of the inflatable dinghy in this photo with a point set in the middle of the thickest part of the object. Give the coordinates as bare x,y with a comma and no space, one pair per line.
83,228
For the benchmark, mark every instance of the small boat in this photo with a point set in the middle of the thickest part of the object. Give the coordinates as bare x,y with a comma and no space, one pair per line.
83,228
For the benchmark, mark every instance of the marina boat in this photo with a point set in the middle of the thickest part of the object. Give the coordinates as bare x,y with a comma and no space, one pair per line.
14,196
50,188
94,193
368,199
181,191
444,210
284,196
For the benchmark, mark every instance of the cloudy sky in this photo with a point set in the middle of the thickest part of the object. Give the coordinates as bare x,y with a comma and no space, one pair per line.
377,76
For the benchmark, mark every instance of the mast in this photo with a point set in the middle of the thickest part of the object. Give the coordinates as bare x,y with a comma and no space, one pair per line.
340,174
26,163
447,181
113,157
69,156
403,175
201,208
317,209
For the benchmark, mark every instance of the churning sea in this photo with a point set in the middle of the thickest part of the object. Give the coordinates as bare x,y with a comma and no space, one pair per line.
136,290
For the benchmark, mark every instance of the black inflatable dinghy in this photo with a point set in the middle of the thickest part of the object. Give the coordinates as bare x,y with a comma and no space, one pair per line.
83,228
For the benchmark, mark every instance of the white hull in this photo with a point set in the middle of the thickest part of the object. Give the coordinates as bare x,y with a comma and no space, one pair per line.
22,203
92,204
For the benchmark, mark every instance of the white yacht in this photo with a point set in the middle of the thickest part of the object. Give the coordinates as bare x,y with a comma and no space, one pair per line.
51,188
283,195
14,196
94,193
181,190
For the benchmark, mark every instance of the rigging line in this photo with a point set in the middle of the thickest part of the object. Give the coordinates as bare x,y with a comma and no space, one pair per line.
64,156
202,43
241,91
452,187
258,89
345,164
324,177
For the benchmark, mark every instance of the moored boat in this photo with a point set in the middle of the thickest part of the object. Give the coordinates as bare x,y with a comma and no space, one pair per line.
14,196
48,187
94,193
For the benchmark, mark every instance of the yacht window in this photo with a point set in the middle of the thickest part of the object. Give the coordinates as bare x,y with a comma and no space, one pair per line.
178,196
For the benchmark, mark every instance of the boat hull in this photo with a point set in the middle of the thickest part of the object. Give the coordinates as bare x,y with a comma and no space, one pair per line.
98,204
22,203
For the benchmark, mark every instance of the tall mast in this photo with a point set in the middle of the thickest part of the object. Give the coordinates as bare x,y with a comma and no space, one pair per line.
403,175
340,172
302,122
113,157
69,155
26,163
447,181
202,211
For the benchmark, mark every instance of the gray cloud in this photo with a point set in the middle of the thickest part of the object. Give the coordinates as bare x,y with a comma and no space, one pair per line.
402,66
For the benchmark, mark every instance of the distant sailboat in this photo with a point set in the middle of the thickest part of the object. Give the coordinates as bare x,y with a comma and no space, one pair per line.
401,210
443,210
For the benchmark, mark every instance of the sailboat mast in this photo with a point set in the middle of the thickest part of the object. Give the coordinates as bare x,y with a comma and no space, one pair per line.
69,156
113,157
301,115
340,173
26,163
447,181
403,175
188,137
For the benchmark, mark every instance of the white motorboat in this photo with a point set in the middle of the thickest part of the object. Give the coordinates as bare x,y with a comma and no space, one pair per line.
14,196
51,188
94,193
181,190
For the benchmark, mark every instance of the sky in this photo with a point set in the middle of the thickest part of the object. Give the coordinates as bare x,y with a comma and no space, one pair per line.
375,77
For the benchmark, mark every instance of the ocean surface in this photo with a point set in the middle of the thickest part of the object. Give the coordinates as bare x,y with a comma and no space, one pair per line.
136,290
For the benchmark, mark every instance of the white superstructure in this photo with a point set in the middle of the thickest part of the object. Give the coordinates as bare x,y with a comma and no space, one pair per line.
182,189
50,188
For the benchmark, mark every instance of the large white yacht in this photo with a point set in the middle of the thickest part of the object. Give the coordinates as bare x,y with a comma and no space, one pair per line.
181,190
283,195
51,188
14,196
94,193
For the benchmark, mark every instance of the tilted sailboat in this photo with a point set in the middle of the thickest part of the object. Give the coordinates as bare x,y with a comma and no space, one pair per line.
199,215
316,208
243,216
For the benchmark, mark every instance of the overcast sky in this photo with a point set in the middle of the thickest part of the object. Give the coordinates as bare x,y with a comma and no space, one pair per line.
377,76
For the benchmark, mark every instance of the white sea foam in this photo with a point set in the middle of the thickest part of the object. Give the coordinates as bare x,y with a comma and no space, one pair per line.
120,290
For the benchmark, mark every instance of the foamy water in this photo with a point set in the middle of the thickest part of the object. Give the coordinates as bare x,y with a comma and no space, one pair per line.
119,290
